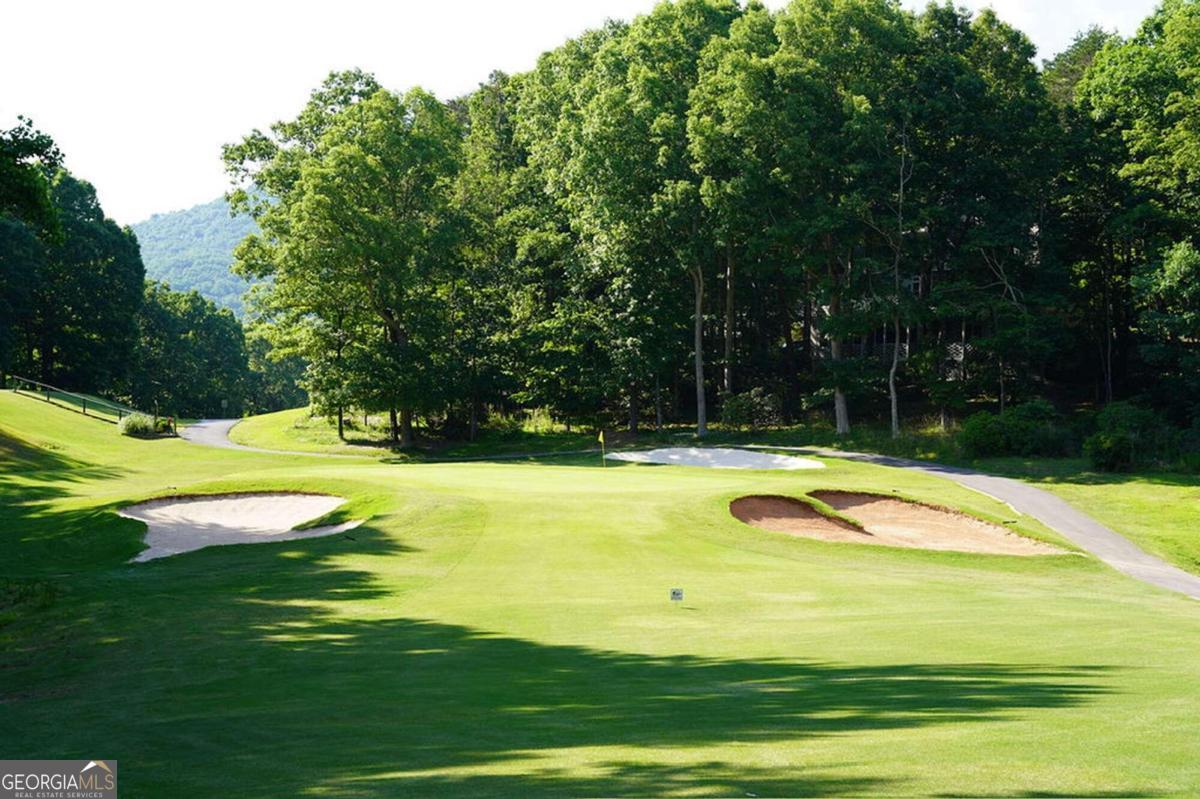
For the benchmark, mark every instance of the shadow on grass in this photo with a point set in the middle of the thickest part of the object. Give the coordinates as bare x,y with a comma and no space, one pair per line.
39,540
300,676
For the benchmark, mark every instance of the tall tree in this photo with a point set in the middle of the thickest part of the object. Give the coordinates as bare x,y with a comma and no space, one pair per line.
634,196
89,288
370,212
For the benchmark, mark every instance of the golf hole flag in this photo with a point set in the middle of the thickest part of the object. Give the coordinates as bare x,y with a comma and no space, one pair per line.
600,438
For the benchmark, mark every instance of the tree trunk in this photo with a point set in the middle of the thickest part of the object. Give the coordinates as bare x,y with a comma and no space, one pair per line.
841,413
1003,395
394,428
806,353
406,428
658,409
698,343
729,318
892,395
46,356
341,423
633,408
1107,350
474,420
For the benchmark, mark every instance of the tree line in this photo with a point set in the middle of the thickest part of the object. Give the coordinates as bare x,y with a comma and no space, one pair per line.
77,312
850,207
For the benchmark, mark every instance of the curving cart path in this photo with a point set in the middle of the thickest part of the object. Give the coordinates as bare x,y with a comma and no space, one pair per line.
1052,511
215,433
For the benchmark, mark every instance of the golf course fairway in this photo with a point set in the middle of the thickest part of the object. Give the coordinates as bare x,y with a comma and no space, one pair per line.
505,629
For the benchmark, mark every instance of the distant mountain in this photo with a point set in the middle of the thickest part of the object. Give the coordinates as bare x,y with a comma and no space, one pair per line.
193,248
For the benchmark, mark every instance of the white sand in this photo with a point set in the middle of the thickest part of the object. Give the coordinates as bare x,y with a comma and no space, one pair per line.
717,458
182,525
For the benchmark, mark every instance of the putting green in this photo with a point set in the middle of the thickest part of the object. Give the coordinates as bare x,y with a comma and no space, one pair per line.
506,629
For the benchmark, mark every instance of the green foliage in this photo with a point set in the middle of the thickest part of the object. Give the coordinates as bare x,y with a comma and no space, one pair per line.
1128,436
846,195
754,409
71,298
27,156
1033,428
1111,452
192,250
190,356
141,425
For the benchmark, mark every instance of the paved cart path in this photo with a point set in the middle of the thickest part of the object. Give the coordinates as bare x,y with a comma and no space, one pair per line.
215,433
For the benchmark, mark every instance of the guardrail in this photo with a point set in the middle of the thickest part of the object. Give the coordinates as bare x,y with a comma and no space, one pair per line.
93,407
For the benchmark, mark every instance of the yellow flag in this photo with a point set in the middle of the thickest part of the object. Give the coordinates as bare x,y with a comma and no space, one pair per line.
600,438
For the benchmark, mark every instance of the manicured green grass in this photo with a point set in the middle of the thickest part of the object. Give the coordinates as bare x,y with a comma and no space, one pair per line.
1160,511
504,629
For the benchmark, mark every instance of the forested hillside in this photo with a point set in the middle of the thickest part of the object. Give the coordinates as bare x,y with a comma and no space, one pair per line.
837,210
834,211
192,250
77,311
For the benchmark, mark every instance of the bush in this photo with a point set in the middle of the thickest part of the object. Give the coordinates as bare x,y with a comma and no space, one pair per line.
1034,428
754,409
1111,452
141,425
1128,435
982,434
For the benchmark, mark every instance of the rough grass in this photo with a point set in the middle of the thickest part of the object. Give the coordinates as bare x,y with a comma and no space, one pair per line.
504,629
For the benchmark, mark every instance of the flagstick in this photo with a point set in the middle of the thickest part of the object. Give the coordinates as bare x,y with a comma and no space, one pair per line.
603,460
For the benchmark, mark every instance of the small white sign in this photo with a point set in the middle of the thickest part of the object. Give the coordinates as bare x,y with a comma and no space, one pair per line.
676,594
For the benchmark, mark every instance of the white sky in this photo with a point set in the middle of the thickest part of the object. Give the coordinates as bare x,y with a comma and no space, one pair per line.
141,94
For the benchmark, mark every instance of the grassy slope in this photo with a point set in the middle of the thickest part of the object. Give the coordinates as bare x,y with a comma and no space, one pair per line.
1160,511
294,430
504,629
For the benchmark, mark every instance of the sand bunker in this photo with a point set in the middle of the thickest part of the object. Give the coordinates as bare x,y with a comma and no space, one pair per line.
717,458
885,521
182,525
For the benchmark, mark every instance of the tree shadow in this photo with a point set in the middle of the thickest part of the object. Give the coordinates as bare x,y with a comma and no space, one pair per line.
262,661
40,539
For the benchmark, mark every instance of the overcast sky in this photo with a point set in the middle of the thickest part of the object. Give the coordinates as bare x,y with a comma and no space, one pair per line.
140,94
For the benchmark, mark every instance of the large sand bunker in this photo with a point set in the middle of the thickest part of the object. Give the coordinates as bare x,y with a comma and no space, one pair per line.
886,521
717,458
182,525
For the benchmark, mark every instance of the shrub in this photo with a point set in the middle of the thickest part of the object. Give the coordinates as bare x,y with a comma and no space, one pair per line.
1128,435
1111,452
1033,428
141,425
755,409
982,434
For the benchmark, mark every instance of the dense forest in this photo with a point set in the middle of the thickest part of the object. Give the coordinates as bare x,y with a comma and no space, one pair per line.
77,312
193,248
840,210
